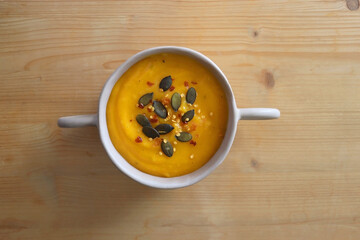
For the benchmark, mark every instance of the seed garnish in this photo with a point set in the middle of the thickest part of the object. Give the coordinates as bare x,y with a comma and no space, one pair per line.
184,137
145,99
191,95
188,116
165,83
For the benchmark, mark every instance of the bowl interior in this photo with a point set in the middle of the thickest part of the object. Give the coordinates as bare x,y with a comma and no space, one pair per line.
161,182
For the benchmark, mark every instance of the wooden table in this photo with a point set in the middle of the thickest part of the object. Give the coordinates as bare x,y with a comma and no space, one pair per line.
293,178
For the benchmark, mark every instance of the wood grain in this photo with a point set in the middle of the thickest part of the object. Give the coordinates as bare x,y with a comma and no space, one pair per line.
294,178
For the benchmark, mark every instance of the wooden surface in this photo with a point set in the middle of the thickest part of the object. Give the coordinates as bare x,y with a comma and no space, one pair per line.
293,178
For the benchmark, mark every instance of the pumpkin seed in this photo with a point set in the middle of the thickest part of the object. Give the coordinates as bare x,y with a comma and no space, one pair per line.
167,148
176,101
159,109
165,83
150,132
145,99
164,128
184,137
191,95
142,120
188,116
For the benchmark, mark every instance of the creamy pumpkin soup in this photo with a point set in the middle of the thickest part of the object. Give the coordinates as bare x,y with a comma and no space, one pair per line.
167,115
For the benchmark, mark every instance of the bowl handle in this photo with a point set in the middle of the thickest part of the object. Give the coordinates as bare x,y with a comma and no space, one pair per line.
78,121
258,113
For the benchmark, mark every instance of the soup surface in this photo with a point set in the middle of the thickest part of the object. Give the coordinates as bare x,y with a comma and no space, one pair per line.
193,140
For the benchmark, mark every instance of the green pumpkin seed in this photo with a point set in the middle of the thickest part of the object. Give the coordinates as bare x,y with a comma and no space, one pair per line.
176,101
150,132
165,83
159,109
164,128
167,148
188,116
145,99
191,95
142,120
184,137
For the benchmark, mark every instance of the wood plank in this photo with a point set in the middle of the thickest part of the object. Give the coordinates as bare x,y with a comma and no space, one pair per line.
294,178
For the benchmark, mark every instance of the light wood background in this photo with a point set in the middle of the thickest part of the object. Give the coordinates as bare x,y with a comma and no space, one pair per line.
293,178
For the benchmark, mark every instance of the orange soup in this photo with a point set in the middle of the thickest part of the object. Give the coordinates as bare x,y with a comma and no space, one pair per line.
167,115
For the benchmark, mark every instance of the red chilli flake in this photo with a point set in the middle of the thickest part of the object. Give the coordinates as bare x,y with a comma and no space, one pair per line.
194,83
138,139
172,88
140,106
157,141
130,120
193,142
165,101
186,83
154,119
149,83
183,123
